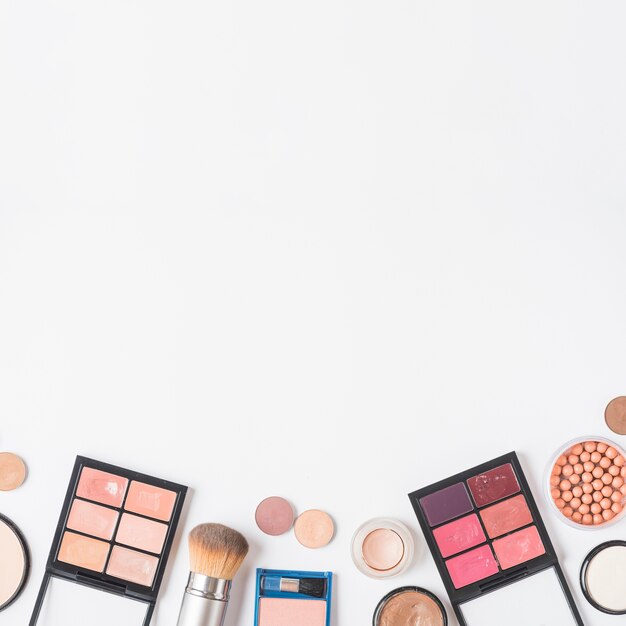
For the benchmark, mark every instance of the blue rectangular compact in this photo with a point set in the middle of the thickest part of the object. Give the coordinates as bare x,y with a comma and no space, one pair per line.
289,597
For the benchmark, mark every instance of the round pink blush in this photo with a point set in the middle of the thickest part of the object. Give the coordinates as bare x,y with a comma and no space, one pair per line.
274,516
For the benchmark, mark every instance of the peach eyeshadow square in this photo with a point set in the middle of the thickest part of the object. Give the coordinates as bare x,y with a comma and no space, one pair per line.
289,612
506,516
142,533
101,487
92,519
83,551
150,501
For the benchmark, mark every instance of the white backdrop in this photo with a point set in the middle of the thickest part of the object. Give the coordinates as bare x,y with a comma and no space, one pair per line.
333,251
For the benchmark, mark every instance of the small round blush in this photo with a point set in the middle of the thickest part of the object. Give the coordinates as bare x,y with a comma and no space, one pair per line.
314,529
615,415
12,471
274,516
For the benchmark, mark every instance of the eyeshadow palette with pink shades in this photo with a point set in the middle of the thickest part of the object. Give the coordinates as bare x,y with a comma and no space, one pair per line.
115,531
484,531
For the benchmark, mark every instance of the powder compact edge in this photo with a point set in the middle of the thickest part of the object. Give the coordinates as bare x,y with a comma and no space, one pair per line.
396,592
583,575
26,571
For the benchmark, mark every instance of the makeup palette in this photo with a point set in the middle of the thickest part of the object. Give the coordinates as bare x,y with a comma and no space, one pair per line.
114,534
485,534
285,604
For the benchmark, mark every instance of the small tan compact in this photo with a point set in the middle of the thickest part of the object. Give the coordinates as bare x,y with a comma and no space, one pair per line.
410,605
12,471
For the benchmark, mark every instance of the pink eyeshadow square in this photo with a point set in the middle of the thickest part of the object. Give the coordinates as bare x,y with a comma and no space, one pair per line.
92,519
459,535
472,566
289,612
150,501
142,533
519,547
101,487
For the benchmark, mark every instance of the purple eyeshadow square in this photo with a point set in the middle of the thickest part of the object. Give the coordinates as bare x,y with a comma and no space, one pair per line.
446,504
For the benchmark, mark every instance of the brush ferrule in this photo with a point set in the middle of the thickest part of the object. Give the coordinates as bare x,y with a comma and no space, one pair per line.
208,587
205,601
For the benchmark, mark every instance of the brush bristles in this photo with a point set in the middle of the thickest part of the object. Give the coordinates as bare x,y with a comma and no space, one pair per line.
315,587
216,550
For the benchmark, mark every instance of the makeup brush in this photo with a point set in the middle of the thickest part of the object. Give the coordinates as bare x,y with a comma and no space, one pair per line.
216,553
314,587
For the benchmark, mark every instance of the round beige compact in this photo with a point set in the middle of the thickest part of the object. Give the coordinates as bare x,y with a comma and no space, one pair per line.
14,562
12,471
314,529
410,606
382,547
603,577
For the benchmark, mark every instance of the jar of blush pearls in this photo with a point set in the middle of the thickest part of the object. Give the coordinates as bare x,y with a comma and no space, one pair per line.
586,483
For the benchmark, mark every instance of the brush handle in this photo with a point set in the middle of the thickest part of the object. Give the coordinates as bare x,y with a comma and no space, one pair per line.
198,611
205,601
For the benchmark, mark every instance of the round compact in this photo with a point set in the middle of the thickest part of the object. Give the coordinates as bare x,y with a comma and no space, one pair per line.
314,529
382,548
274,516
12,471
14,562
615,415
586,483
410,605
603,577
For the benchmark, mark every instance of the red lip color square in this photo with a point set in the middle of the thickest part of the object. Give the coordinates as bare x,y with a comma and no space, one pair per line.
493,485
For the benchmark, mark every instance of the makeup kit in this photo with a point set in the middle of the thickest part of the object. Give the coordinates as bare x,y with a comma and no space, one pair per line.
483,528
114,536
492,549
